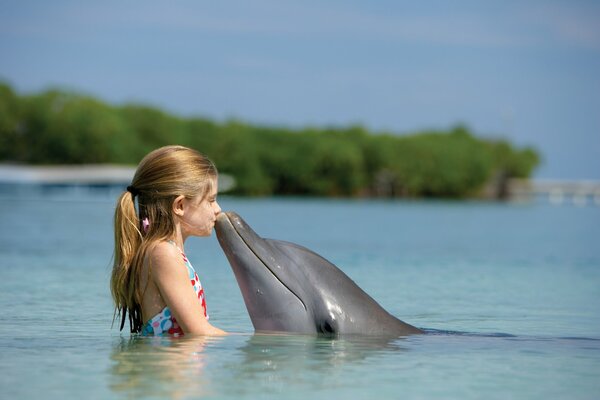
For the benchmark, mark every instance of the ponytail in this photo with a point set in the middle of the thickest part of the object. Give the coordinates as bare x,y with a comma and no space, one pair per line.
128,239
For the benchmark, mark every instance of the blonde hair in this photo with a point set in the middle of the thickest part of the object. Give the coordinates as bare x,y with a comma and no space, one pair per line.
162,176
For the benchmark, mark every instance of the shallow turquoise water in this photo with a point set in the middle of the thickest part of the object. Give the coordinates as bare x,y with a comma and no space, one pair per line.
510,295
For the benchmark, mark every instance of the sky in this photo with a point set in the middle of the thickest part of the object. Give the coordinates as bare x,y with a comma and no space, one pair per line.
527,71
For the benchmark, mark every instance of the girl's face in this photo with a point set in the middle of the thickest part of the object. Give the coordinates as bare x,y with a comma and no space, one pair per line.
199,215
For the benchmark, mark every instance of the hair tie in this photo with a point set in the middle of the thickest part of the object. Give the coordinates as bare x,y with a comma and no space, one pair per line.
134,192
145,224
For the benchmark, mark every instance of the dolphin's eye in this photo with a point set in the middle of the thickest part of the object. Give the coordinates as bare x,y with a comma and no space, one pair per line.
327,328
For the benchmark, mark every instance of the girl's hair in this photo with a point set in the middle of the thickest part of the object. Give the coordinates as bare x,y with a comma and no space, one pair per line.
162,176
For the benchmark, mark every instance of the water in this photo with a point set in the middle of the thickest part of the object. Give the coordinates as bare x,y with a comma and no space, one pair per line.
509,293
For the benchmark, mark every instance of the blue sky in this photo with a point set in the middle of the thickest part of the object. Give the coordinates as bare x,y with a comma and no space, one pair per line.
523,70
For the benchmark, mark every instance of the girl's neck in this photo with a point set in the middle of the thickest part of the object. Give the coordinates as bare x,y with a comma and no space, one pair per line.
178,238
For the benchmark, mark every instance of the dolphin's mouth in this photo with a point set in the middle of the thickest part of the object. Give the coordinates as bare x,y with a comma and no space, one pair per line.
243,233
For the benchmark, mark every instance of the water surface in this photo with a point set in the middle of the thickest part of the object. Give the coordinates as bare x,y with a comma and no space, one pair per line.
509,294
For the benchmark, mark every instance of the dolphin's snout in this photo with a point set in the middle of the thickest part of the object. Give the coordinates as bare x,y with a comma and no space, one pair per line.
230,216
221,223
222,217
227,215
230,224
226,218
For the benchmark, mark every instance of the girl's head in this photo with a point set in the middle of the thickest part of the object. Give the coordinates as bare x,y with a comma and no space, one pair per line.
162,177
174,187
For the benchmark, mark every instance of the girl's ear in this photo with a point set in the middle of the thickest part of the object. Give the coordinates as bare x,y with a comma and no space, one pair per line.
178,205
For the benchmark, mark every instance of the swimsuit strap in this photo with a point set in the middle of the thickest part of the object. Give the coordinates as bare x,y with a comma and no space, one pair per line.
176,246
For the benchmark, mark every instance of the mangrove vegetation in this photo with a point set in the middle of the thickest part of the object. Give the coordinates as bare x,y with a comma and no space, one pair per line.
63,127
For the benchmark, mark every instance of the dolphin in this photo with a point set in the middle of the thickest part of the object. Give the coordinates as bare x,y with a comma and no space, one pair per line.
289,288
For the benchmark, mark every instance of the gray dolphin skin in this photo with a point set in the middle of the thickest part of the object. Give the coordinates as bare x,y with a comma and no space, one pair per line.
288,288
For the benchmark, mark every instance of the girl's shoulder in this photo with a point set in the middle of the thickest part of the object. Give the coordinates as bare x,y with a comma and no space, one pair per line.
164,255
163,246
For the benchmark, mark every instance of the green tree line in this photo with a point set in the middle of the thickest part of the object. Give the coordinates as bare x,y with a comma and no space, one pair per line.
62,127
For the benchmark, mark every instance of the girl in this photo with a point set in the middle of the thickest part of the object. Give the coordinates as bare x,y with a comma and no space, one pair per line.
152,279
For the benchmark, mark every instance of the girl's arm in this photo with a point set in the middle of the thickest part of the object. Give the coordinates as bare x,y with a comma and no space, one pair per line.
172,280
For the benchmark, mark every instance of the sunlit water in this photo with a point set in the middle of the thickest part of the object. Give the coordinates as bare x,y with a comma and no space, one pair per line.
509,294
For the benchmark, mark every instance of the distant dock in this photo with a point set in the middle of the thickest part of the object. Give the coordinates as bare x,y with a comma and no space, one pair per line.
82,175
66,174
579,193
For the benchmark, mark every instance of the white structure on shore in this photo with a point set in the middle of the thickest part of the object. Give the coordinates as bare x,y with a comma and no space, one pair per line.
579,193
80,175
67,174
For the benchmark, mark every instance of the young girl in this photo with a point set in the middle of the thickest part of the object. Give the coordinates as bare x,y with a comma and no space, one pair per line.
152,279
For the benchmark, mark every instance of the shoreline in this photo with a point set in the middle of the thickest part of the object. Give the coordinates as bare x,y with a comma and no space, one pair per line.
579,192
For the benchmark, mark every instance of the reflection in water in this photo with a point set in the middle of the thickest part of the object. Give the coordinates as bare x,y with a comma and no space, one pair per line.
159,366
281,363
260,363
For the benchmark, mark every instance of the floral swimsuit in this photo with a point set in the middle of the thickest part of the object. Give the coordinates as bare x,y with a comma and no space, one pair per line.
164,322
